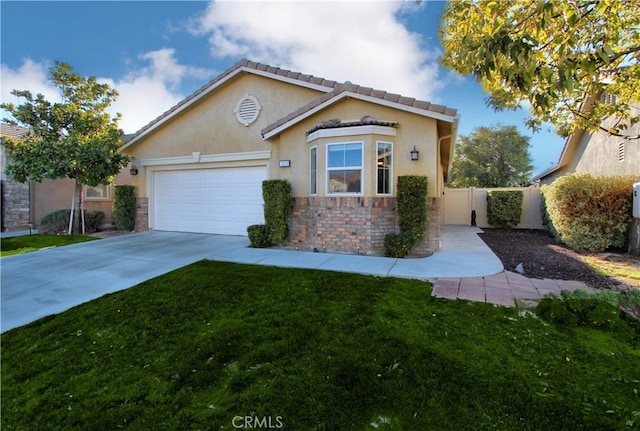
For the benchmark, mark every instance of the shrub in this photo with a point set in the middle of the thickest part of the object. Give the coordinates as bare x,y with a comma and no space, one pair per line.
629,301
278,203
258,236
93,220
412,207
590,213
397,245
57,222
504,208
124,208
590,310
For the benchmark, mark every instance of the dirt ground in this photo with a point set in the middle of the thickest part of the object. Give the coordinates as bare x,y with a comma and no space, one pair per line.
542,256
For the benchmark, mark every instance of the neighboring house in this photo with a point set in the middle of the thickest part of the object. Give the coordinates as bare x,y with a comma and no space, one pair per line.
597,154
16,197
28,203
342,146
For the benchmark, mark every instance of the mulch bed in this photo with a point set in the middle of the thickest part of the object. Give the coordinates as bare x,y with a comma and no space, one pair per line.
541,256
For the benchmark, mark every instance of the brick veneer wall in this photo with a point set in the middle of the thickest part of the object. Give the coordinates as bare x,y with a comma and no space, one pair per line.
142,214
347,224
16,205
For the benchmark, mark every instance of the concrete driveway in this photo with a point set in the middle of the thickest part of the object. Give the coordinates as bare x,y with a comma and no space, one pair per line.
37,284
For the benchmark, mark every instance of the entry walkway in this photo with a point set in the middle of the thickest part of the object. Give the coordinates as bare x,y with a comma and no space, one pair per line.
50,281
506,289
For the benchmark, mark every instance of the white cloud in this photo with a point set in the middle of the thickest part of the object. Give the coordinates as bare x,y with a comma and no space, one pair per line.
364,42
144,93
30,76
147,92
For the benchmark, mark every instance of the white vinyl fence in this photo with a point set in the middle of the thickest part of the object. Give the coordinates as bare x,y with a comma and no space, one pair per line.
458,204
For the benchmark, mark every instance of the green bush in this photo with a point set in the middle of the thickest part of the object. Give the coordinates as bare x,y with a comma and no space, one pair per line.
412,207
124,208
278,204
590,213
504,208
93,220
586,310
397,245
258,236
57,222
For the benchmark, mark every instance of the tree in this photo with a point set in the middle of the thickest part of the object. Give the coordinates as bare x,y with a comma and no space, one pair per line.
74,138
556,56
491,157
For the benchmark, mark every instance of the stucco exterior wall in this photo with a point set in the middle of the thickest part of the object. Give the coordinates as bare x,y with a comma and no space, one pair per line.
210,125
411,130
600,154
52,195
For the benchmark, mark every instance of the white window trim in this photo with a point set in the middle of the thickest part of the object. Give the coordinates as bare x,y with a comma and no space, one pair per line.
352,131
315,147
390,169
90,198
327,169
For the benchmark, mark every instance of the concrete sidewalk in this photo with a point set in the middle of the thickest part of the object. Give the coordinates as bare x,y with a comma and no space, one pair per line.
37,284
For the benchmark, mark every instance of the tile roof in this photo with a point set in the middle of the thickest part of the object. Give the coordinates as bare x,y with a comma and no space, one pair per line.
354,89
331,89
12,130
243,64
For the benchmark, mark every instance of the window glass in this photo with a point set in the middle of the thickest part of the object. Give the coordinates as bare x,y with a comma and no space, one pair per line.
384,159
344,168
313,180
98,192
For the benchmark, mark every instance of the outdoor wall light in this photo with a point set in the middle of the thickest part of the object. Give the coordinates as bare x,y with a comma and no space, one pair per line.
415,154
133,170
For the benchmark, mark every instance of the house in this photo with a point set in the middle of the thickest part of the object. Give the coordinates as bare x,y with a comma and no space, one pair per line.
25,204
342,146
597,154
601,154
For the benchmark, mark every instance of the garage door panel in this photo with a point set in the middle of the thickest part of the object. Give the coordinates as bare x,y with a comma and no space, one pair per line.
222,201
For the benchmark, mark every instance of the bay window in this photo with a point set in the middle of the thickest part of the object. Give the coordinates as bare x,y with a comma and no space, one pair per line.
384,174
344,168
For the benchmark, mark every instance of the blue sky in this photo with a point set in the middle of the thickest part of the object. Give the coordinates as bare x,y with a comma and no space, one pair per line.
156,53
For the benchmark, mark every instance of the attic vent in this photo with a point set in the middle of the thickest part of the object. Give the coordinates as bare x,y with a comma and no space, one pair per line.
247,109
621,151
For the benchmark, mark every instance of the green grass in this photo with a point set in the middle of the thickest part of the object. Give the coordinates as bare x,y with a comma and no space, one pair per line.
27,243
317,350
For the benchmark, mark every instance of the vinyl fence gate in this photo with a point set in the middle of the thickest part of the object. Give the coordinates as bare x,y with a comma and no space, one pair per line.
458,204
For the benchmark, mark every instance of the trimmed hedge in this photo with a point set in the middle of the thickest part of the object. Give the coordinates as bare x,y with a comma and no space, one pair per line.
397,245
412,215
278,204
57,222
124,208
504,208
590,213
258,236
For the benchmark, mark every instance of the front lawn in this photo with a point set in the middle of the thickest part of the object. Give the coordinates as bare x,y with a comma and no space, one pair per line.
27,243
211,344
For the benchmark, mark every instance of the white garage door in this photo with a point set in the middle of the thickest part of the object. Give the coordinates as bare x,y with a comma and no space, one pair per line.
222,201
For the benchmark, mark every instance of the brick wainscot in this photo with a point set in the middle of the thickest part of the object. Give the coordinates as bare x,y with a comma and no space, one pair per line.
356,225
142,214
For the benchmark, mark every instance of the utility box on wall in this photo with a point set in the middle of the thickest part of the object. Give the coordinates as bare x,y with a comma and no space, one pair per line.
634,229
636,200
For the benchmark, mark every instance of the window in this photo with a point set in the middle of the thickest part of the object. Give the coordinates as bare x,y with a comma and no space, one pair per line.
383,168
344,168
99,192
313,171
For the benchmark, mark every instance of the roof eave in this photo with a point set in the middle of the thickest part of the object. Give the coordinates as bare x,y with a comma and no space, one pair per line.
353,95
216,83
